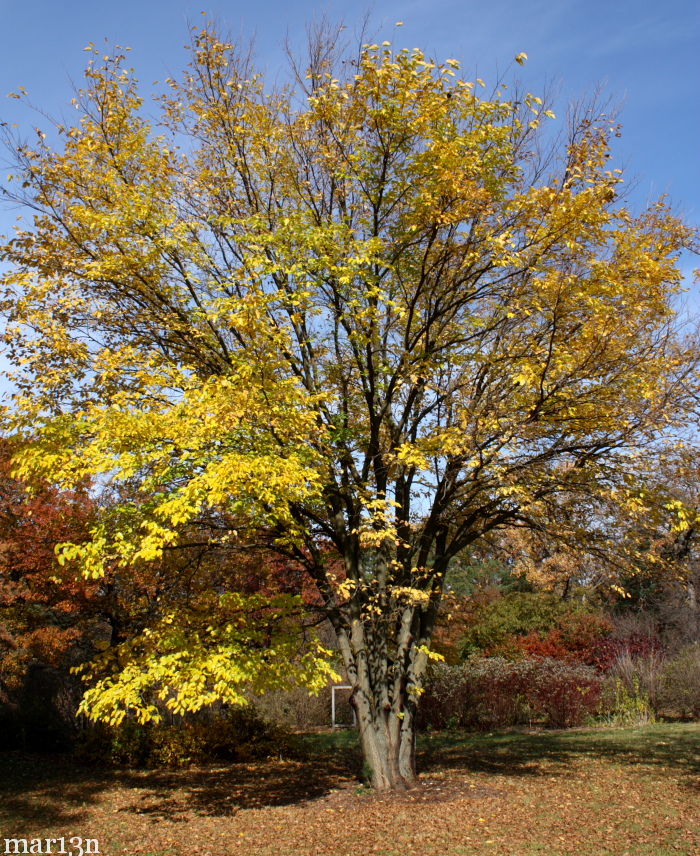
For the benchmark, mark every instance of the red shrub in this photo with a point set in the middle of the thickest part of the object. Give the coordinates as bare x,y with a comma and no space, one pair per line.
493,692
636,645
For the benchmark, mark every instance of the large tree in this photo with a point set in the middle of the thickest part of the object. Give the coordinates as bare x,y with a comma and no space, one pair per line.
373,314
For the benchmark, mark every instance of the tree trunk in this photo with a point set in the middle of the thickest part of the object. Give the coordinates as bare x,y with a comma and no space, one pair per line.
386,679
388,749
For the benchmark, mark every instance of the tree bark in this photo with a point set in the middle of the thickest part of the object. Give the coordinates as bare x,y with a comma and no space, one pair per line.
386,683
389,750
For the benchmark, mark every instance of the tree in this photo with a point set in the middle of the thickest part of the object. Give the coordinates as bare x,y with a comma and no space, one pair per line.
40,612
372,314
47,616
659,532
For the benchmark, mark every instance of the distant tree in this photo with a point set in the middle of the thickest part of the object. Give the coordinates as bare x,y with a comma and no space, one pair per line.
660,531
373,314
44,610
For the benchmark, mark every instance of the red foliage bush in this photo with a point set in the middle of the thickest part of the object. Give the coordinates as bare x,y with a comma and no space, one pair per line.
636,645
565,694
493,692
577,639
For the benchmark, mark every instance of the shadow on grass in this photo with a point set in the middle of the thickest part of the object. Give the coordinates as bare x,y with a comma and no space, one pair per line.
221,791
670,748
39,792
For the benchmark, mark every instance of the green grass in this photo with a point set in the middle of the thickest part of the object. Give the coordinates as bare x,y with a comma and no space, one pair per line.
670,746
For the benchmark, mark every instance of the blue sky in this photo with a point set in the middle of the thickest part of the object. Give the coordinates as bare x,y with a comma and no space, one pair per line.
644,53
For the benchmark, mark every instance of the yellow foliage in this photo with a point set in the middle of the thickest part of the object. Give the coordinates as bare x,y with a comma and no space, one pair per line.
352,314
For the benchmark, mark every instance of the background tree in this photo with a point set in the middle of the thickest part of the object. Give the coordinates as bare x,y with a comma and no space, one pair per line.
659,533
41,610
373,310
49,617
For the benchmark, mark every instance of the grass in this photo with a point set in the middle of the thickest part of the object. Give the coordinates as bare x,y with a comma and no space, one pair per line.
632,792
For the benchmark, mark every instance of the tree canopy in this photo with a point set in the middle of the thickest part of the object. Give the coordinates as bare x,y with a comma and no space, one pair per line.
375,315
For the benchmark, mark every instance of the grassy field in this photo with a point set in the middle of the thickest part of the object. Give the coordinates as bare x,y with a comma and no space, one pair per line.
632,792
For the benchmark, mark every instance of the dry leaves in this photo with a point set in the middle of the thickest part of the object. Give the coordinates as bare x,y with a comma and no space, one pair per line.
574,793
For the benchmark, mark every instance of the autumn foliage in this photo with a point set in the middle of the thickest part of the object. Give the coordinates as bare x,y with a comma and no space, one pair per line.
44,610
377,315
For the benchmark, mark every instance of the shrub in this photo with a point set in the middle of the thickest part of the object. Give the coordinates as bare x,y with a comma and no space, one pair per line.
296,708
641,675
41,715
238,734
536,625
566,693
494,692
480,693
624,703
608,651
680,684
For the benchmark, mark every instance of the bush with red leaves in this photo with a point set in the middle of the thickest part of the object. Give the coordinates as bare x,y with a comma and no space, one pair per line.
494,692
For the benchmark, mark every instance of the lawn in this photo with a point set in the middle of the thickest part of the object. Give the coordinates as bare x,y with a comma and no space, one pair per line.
586,792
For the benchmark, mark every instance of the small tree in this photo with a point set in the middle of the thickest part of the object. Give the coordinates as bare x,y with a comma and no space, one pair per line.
370,313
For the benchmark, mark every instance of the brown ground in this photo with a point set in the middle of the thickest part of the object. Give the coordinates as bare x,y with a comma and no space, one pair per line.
631,793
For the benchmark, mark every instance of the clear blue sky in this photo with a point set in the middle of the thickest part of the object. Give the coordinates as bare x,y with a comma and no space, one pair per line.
645,53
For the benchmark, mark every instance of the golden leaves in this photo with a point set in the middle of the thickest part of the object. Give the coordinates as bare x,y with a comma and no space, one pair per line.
347,309
223,648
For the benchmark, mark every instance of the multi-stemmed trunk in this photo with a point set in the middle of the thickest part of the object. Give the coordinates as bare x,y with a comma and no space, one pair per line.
388,741
386,677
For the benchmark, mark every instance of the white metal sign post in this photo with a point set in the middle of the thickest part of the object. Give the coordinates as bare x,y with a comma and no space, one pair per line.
333,707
